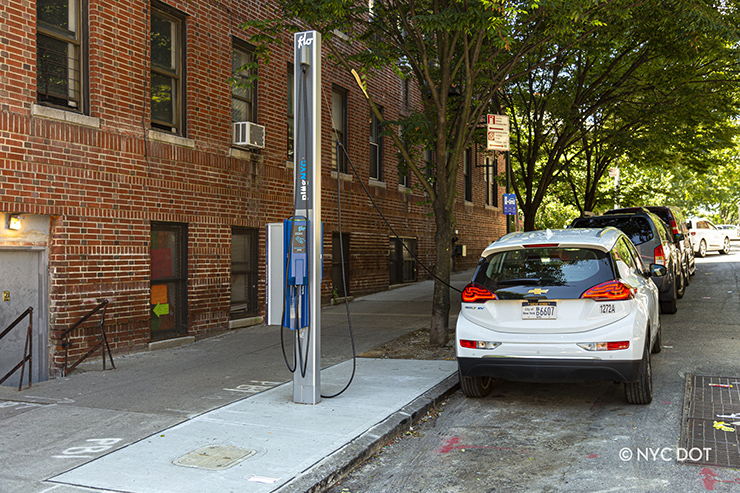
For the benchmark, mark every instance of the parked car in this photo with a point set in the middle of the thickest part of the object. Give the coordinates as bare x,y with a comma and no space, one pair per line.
560,305
733,231
706,237
655,244
674,218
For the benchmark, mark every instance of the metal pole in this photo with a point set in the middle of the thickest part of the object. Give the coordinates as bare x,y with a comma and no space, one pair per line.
307,202
508,187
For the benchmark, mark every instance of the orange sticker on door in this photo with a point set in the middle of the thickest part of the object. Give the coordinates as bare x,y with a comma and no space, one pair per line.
159,294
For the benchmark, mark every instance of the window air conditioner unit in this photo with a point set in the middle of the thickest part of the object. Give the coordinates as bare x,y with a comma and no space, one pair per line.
248,134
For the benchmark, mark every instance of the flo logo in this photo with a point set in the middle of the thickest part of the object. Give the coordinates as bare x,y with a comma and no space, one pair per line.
304,40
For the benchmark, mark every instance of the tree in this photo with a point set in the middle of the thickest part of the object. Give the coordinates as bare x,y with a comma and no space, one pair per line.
639,86
461,54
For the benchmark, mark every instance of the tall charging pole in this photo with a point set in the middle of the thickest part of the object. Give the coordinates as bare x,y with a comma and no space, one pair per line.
307,202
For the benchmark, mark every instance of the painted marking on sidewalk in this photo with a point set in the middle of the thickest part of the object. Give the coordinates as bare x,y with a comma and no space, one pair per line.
255,387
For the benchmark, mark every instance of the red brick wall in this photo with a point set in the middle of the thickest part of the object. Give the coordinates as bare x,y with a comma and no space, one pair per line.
104,186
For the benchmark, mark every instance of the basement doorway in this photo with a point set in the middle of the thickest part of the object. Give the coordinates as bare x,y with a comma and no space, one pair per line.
23,284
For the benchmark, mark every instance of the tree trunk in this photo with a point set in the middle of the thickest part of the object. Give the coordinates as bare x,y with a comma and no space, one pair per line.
438,336
443,218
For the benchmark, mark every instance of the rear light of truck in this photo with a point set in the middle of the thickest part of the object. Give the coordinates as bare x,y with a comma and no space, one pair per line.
659,255
674,227
609,291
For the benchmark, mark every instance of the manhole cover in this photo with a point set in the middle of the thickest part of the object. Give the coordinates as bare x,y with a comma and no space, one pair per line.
711,421
214,457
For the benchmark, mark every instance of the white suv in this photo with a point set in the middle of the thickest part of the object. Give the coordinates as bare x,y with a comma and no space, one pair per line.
560,305
705,237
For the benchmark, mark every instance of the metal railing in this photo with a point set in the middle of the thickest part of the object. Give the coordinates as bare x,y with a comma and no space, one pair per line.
27,351
66,344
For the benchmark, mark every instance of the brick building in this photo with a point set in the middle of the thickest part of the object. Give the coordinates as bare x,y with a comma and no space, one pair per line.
116,154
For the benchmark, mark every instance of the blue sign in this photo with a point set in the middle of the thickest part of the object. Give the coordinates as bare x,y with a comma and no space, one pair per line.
510,204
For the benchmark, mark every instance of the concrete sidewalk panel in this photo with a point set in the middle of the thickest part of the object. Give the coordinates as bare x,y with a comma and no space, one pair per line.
292,441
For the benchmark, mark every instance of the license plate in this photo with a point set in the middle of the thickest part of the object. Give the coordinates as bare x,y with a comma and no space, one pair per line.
542,310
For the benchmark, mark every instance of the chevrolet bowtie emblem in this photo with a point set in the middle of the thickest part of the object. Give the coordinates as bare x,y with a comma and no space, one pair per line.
537,291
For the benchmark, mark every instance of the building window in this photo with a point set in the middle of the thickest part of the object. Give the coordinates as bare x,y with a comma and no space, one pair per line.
243,91
402,262
468,174
491,182
169,277
244,272
339,129
167,72
376,148
339,259
291,112
61,50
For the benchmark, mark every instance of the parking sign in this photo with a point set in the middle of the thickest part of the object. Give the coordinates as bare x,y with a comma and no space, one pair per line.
510,204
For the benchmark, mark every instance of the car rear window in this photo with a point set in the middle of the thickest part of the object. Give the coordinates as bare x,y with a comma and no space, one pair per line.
564,273
637,228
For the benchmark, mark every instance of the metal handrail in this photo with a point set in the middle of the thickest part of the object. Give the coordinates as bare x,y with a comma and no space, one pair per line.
27,351
66,344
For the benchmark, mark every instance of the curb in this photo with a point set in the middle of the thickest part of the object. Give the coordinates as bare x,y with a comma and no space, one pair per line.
334,467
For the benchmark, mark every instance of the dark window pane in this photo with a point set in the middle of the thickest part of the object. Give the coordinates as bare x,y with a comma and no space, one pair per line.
164,43
162,103
60,14
58,69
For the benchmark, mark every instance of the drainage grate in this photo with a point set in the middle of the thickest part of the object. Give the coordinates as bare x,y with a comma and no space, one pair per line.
214,457
705,400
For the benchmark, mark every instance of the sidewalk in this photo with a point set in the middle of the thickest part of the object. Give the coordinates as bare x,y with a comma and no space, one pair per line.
217,415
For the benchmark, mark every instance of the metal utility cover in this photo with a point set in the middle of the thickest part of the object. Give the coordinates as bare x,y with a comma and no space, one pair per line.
705,400
214,457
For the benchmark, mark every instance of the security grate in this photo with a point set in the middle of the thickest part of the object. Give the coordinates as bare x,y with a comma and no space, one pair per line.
709,400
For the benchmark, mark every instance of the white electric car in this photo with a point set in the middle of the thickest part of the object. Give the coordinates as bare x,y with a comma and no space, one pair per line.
560,305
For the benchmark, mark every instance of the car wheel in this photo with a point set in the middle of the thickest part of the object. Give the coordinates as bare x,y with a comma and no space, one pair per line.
681,280
670,306
658,346
702,249
475,386
726,246
641,391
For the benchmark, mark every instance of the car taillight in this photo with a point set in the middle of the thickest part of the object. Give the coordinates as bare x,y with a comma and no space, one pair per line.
474,293
674,227
609,291
659,255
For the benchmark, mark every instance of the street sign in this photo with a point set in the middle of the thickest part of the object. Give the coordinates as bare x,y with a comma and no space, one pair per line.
510,204
497,132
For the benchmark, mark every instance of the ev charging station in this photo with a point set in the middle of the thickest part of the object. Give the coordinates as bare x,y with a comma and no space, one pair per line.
294,247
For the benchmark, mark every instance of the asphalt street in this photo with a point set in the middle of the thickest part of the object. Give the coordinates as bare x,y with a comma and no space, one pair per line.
578,437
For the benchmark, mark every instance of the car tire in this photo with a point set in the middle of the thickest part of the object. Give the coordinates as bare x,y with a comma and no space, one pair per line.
681,280
658,346
475,386
702,249
726,246
641,391
670,306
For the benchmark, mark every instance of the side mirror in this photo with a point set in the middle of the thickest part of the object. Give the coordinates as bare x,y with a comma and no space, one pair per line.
678,237
657,270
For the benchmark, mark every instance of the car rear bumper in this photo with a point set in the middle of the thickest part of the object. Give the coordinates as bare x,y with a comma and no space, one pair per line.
550,369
